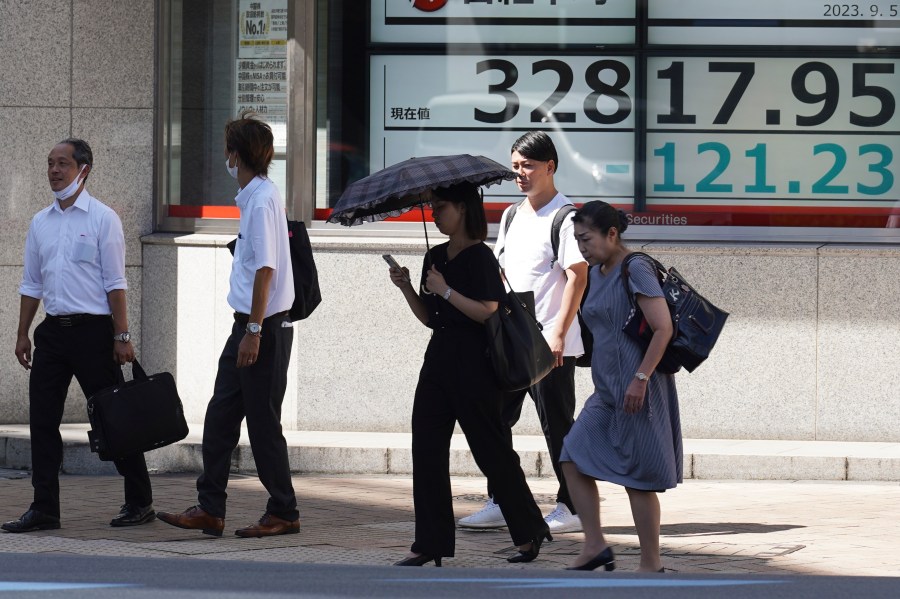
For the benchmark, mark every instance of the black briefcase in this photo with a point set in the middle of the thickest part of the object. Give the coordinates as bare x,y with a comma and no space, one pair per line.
135,416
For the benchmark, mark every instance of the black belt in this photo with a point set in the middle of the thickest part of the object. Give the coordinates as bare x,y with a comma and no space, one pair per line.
243,319
73,320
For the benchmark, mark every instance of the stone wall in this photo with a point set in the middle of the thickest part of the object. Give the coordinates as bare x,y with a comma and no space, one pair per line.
809,352
76,68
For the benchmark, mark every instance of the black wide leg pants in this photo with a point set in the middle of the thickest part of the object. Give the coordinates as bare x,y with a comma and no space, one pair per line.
554,398
256,393
456,383
84,351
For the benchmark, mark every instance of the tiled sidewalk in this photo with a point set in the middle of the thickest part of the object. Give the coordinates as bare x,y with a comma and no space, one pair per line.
708,527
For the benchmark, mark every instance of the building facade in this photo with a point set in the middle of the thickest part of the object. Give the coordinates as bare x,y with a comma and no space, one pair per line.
754,147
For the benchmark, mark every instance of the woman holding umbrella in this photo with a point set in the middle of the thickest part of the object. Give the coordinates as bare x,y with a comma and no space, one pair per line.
460,289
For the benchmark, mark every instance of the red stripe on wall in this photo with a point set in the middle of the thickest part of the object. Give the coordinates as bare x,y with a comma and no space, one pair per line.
674,215
205,211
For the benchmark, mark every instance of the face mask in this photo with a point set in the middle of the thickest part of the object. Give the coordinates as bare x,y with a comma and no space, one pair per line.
232,170
70,188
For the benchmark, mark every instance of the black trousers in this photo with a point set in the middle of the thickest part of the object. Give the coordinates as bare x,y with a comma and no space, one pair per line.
256,393
456,383
84,351
554,398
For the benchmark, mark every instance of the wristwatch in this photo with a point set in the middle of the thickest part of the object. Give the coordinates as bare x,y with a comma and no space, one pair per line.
124,337
641,377
447,293
254,328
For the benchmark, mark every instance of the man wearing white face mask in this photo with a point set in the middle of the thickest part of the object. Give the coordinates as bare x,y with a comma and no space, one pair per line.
75,264
252,375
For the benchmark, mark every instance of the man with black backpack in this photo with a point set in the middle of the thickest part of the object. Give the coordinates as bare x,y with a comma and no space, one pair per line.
536,247
252,375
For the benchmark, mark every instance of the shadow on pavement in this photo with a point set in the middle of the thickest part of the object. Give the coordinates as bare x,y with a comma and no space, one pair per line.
690,529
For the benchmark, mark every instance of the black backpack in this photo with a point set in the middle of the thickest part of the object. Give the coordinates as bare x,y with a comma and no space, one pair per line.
306,278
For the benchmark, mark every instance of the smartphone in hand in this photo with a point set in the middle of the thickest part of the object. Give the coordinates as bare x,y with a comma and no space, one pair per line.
394,264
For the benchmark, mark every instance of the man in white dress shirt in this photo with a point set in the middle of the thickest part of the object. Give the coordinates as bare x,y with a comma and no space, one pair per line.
75,264
252,375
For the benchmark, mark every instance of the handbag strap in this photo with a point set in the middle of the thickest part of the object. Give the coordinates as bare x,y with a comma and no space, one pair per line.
137,372
660,272
513,293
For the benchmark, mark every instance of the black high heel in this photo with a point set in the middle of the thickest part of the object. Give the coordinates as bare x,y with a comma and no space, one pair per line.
420,560
605,558
529,555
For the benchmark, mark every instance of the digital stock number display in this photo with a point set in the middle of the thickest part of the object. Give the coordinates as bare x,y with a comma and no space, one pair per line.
720,112
772,132
480,104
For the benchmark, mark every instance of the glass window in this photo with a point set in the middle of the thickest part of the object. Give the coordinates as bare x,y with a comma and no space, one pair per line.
787,121
218,58
342,98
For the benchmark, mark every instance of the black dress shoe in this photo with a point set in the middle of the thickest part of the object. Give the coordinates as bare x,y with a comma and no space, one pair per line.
530,554
420,560
132,515
605,558
269,526
32,520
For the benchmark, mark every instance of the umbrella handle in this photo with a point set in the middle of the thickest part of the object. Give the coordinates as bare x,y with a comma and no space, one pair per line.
427,245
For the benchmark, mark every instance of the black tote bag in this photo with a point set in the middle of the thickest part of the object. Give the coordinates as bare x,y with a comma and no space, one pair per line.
135,416
519,353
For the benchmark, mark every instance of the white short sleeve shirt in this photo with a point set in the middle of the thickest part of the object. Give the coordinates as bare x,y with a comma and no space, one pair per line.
527,256
262,242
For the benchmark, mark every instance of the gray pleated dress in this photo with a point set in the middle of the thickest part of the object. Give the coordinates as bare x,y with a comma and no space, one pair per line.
643,450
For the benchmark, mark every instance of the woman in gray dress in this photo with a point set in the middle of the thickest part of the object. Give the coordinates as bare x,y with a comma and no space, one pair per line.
628,432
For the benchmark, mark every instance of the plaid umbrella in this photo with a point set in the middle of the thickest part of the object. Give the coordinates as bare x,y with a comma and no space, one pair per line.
405,185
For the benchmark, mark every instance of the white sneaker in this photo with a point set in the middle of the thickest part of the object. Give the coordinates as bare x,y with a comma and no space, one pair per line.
562,520
489,516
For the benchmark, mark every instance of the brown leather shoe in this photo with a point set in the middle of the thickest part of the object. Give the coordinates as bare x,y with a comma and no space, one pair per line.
194,518
269,526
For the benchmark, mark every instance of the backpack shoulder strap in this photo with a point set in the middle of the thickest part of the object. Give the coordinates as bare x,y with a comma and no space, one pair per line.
558,219
509,218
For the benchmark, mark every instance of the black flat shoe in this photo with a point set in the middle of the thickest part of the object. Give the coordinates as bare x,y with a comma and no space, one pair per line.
32,520
530,554
605,558
420,560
